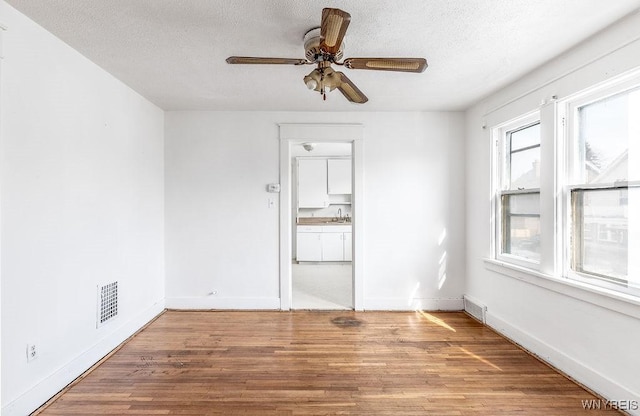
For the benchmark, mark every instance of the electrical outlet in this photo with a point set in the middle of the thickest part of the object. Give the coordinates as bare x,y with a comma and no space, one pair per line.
32,352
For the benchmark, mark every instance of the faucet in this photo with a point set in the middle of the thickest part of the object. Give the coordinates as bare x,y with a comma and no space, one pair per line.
339,214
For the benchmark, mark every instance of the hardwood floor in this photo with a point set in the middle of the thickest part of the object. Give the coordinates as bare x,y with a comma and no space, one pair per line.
320,363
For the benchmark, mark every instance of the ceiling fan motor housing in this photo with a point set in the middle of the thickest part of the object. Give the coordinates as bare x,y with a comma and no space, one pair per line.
312,49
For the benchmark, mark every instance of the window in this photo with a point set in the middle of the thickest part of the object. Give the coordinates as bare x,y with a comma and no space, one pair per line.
603,189
518,194
566,188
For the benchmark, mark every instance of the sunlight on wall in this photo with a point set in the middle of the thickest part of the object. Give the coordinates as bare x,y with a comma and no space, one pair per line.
443,235
410,303
442,263
442,270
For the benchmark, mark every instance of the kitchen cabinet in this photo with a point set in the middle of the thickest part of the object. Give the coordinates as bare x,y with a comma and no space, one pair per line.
312,183
324,243
339,176
309,244
332,246
348,247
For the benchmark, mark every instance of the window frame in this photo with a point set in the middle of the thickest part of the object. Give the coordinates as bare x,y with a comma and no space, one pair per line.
570,179
501,180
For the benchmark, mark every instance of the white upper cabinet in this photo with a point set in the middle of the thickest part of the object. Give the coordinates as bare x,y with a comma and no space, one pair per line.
339,176
312,183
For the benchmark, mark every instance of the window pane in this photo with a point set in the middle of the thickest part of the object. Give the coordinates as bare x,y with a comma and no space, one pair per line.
525,169
521,225
602,232
524,237
609,134
525,137
523,204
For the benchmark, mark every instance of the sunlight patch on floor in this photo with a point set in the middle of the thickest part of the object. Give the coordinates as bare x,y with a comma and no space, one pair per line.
436,320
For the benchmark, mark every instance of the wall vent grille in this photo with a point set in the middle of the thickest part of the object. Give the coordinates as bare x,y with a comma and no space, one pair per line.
475,309
107,303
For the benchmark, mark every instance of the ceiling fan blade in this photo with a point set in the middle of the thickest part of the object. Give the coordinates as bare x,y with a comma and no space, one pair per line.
387,64
350,91
332,29
274,61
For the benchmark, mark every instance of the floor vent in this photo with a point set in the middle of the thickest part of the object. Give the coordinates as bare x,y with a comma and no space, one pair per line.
107,303
475,309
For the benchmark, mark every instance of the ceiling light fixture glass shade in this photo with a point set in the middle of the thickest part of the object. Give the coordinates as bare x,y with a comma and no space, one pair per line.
313,81
322,78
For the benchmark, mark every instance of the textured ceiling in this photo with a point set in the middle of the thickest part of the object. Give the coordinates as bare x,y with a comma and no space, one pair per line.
173,51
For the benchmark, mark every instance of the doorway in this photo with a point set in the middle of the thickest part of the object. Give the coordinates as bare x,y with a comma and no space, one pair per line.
292,138
321,187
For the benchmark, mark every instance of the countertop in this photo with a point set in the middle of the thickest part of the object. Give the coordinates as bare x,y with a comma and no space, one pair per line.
321,221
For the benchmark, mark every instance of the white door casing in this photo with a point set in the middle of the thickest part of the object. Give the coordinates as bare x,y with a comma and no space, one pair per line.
340,133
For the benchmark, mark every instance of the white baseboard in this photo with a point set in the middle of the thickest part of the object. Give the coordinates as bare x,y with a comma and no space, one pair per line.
403,304
211,302
580,372
50,386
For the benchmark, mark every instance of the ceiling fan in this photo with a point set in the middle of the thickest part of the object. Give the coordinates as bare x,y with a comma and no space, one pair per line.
324,46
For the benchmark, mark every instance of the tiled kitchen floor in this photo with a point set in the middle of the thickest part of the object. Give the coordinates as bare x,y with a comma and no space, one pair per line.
322,286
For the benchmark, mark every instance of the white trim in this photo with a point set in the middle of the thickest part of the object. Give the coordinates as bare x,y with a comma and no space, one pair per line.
499,178
414,304
320,132
548,190
602,385
598,186
300,133
286,245
50,386
609,299
570,175
211,302
2,28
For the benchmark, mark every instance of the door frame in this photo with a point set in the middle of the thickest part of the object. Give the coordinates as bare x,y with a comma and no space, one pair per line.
291,134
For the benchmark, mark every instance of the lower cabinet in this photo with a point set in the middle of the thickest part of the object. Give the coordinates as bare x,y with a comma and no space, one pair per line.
348,247
332,246
323,243
309,246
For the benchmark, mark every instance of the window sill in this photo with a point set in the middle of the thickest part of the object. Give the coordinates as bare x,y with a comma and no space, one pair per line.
609,299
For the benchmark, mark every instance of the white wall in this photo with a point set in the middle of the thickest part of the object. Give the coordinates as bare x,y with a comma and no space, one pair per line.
592,338
82,204
221,235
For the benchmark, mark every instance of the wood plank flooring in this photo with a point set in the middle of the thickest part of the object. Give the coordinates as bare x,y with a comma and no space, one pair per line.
320,363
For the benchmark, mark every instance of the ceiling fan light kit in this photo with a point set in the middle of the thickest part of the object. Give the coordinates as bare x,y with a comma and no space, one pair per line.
324,46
